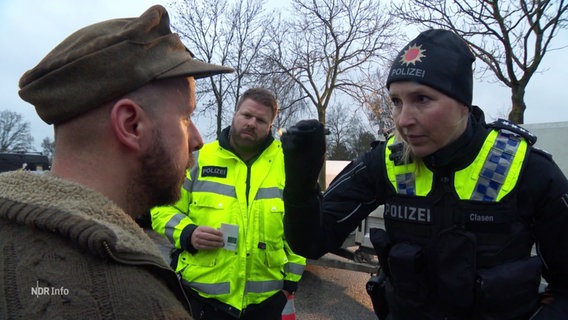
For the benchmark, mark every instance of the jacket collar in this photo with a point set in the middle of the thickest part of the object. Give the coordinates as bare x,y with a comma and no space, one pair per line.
74,212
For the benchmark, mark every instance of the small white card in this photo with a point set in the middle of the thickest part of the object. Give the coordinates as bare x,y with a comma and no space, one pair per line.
230,235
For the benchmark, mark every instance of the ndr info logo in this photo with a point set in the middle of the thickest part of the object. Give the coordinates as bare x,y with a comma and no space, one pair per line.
48,291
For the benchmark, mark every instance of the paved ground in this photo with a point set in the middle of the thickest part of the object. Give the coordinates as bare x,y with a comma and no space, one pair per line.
324,293
334,294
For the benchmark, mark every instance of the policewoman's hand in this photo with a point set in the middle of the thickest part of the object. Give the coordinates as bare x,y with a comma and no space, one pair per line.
304,148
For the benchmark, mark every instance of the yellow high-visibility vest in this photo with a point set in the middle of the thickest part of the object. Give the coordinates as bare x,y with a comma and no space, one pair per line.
222,189
490,177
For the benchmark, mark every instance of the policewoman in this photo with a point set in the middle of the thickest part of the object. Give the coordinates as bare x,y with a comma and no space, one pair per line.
464,201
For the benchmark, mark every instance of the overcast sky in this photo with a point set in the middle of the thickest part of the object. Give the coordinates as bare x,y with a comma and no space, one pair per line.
29,29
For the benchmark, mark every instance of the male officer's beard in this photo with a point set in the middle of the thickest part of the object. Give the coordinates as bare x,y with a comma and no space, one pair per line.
246,146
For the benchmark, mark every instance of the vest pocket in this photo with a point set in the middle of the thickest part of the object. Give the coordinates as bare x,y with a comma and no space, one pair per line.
454,267
381,243
407,268
509,291
275,258
204,258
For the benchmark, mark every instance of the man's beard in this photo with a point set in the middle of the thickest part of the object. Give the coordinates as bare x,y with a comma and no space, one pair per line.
243,145
159,181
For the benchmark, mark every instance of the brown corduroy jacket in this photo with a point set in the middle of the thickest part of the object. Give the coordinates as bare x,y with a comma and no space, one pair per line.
68,252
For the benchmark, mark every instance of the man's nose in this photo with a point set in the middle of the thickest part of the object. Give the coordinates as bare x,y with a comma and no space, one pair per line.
195,139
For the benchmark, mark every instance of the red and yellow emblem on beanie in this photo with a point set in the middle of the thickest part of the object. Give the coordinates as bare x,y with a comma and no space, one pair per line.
412,55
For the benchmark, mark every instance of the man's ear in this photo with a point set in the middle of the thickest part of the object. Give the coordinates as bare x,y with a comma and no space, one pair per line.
126,123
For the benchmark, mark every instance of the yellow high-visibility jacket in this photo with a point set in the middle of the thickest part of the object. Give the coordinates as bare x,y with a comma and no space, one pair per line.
222,189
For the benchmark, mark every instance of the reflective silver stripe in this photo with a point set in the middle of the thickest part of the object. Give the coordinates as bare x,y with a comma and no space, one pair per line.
214,187
496,167
188,183
171,226
269,193
194,173
210,288
345,176
264,286
294,268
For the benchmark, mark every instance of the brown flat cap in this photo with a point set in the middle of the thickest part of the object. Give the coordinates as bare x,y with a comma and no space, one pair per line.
106,60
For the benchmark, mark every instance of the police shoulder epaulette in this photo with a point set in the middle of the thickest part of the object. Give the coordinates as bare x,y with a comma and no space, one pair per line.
542,152
502,124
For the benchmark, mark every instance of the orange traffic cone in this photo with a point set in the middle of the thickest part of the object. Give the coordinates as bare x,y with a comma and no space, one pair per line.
289,311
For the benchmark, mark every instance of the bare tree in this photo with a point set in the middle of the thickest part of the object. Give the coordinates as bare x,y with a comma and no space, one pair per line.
291,100
377,104
14,133
228,33
361,141
202,28
326,44
350,135
48,148
340,120
510,37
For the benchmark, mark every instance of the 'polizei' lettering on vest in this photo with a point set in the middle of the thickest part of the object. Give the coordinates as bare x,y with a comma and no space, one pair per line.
408,72
212,171
407,213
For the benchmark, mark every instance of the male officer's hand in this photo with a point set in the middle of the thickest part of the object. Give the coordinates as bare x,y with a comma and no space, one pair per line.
206,238
304,148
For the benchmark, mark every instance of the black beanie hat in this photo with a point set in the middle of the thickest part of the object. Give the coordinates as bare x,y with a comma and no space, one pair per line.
439,59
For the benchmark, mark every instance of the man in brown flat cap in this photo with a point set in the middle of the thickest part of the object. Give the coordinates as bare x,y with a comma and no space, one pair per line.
120,94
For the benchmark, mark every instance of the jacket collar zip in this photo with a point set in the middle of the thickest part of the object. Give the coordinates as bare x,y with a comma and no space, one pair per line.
131,260
172,278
